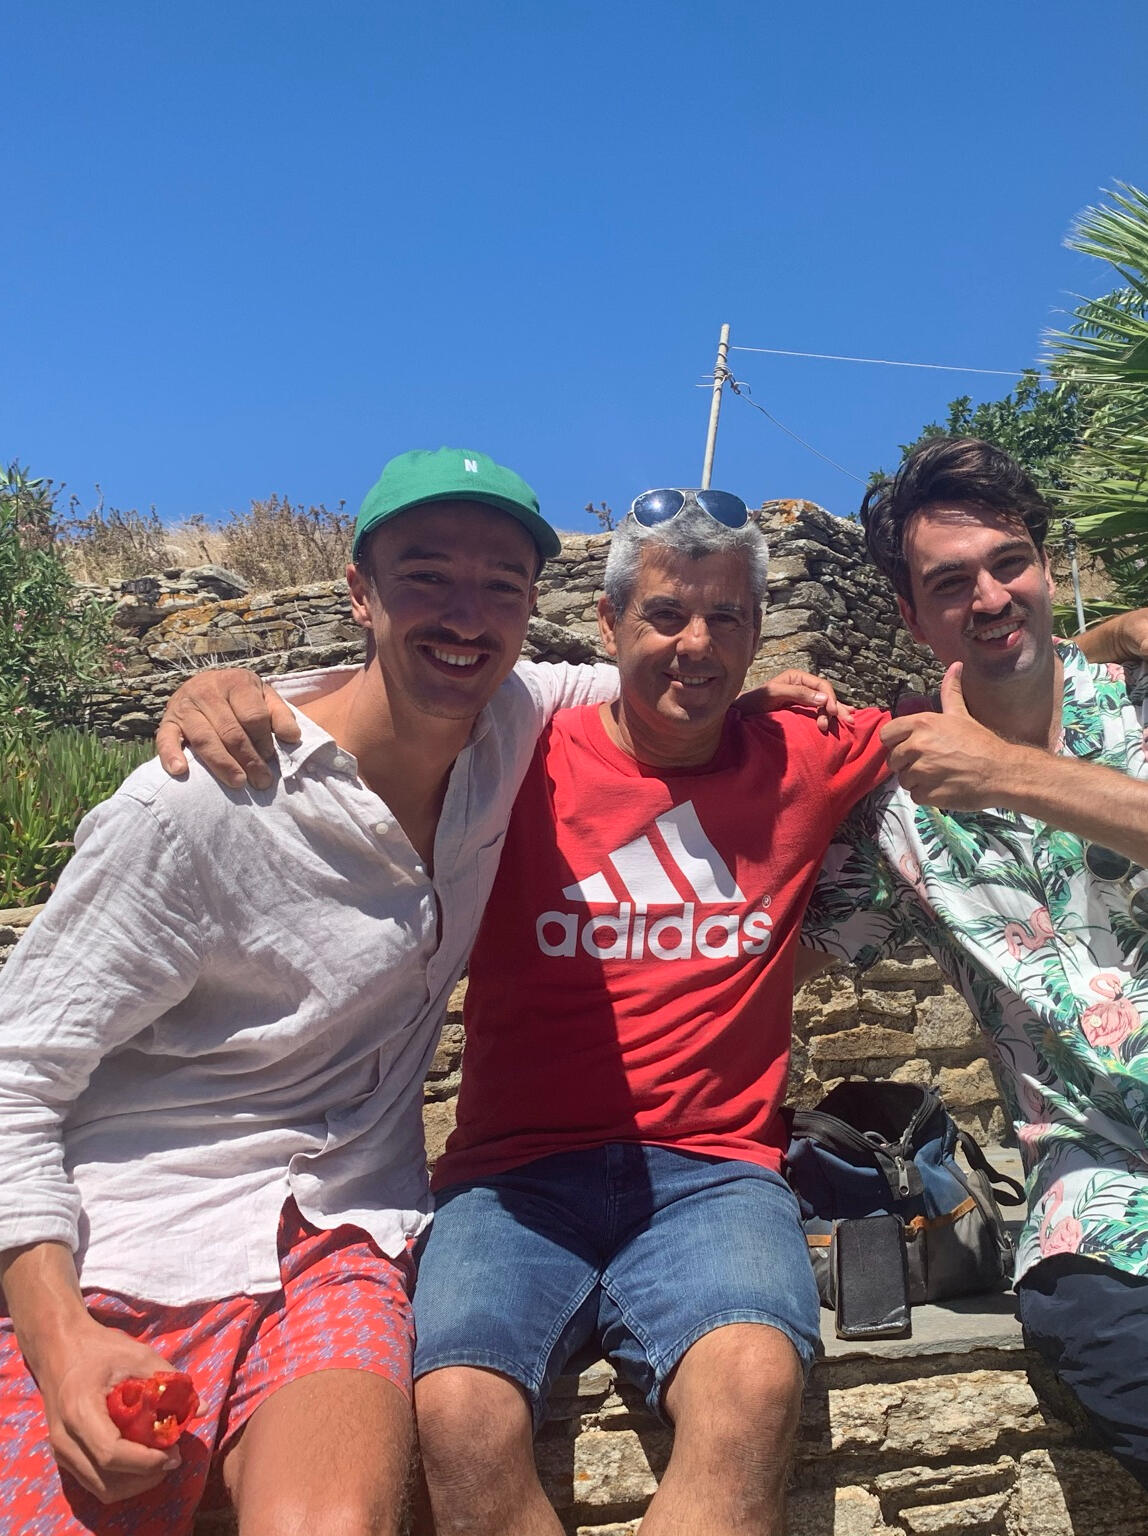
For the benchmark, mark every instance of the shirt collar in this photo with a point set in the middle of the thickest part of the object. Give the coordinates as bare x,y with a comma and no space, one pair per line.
315,741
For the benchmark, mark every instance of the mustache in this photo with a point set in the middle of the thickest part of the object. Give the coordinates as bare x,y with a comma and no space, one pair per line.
446,637
1013,611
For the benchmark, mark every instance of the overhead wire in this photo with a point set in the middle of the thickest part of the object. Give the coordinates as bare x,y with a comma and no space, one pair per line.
742,390
888,362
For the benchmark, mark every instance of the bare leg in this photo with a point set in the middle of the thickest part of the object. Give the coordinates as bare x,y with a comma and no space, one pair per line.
478,1454
329,1454
734,1399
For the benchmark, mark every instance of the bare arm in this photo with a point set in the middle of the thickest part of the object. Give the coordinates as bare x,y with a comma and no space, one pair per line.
952,761
76,1362
1121,639
228,717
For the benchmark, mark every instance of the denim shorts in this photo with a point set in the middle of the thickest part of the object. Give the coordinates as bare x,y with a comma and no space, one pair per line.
643,1248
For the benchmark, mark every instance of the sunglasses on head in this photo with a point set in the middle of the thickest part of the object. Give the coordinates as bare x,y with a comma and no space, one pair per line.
652,508
1107,864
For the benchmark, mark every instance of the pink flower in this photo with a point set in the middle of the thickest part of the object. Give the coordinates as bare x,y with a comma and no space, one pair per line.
1065,1237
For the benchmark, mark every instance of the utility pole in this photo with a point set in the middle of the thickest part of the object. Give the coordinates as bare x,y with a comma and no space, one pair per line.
721,373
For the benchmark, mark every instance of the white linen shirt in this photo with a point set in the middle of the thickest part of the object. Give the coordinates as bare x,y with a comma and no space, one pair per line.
232,998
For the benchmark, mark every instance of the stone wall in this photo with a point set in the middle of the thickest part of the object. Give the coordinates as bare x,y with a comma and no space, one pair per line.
827,611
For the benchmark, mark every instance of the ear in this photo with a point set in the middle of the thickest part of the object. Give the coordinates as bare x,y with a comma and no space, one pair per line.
909,619
360,589
1048,581
607,623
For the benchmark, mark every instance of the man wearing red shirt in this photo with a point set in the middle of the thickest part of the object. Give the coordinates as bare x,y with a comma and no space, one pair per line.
615,1170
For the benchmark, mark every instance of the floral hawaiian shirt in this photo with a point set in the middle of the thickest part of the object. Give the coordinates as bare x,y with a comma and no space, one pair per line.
1046,936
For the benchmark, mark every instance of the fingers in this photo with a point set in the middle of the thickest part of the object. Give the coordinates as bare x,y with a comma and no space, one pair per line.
283,722
952,692
224,718
169,746
98,1457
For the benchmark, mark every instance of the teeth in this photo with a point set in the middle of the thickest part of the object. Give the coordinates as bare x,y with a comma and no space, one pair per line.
997,632
451,659
693,682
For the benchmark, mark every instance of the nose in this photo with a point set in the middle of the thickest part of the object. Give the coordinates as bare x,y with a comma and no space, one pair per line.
462,611
990,595
694,638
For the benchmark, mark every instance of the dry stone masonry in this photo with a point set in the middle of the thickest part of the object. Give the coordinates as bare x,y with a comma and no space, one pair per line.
828,611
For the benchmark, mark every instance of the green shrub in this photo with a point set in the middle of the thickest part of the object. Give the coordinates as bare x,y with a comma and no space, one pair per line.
47,784
53,647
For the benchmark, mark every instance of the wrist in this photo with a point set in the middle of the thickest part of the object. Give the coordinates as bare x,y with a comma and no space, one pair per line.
1014,774
45,1304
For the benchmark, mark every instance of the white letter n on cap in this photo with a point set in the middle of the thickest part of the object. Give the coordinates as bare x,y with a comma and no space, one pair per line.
471,466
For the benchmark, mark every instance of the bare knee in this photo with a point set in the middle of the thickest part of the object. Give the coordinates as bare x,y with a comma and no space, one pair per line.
337,1514
469,1422
740,1387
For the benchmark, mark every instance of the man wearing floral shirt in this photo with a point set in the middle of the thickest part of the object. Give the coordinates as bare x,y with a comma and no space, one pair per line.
1013,845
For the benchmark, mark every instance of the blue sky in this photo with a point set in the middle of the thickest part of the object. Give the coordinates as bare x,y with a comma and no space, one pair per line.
253,247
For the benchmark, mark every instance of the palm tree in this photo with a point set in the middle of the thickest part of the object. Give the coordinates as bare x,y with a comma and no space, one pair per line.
1104,354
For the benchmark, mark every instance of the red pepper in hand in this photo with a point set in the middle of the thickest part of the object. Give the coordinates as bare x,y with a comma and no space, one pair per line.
154,1412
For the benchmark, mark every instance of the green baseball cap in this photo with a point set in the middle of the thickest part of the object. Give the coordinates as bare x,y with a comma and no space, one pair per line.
451,474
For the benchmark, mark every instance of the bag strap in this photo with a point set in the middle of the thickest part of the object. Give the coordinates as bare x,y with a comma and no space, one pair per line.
1012,1192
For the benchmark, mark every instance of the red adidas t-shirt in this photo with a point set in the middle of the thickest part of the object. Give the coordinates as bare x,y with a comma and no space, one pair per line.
633,976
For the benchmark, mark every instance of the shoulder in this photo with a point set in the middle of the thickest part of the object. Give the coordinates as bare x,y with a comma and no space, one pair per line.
796,730
152,803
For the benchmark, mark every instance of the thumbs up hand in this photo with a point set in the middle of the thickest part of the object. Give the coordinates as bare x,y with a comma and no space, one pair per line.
949,759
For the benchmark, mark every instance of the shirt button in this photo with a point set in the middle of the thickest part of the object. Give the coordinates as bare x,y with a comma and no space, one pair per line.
340,763
381,829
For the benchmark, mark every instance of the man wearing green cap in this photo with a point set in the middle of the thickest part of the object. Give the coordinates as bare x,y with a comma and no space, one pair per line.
212,1047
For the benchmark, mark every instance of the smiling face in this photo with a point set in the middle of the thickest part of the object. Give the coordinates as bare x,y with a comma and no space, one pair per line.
450,591
684,643
981,592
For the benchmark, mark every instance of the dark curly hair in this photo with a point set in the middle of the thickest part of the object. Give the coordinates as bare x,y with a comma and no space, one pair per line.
960,471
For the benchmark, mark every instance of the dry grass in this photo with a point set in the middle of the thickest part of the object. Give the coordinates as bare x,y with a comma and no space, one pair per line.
273,544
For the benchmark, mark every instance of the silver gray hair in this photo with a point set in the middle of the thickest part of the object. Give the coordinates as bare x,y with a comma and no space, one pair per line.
692,533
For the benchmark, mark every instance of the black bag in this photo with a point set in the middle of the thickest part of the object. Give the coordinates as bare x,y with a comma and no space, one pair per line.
885,1147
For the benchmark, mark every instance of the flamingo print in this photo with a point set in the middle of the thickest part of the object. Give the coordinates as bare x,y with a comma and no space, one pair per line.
1107,1023
1021,938
1064,1236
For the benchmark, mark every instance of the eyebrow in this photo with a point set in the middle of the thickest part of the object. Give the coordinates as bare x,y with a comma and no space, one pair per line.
676,602
442,557
1012,546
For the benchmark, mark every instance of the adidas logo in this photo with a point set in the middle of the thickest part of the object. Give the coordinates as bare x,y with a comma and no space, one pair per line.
675,862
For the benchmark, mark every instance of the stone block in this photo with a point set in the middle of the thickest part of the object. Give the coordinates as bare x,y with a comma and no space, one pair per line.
930,1485
922,968
448,1053
438,1122
779,622
917,1071
864,1043
891,1004
816,1016
602,1468
835,1512
968,1517
1075,1491
963,1087
944,1022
